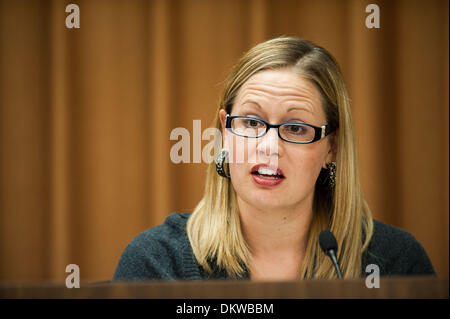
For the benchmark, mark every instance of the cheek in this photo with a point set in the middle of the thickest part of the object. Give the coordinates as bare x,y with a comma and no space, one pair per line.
241,150
242,158
305,164
238,159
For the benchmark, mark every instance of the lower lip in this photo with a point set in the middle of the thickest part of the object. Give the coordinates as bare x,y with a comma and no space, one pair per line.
266,181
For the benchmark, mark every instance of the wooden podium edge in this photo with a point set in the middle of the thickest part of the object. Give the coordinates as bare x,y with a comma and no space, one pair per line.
390,288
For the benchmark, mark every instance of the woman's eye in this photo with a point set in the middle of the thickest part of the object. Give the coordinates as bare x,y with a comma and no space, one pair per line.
252,123
296,129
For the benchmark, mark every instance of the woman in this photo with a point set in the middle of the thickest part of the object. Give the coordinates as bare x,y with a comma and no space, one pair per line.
285,109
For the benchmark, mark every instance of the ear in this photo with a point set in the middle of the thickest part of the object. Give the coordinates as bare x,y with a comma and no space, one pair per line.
332,151
222,118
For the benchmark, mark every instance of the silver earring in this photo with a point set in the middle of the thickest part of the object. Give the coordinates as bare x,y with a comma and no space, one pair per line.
220,161
331,174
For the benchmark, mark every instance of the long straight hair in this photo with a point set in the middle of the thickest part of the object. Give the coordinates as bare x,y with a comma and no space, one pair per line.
214,228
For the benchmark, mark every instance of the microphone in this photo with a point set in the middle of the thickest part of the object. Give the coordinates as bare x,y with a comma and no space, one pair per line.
329,246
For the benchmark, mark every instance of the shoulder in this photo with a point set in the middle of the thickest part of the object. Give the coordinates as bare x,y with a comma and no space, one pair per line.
169,233
396,252
392,235
156,253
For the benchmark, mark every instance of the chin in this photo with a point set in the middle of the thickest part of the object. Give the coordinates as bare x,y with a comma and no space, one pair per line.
274,199
266,201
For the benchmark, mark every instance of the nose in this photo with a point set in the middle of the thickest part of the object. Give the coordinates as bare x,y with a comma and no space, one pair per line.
268,144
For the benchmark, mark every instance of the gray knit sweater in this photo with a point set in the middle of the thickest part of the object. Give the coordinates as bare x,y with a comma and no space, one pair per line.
164,253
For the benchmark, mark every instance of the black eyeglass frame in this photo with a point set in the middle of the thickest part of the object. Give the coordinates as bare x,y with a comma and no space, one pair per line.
319,131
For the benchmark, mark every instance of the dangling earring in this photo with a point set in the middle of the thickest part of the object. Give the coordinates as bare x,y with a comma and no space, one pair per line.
331,174
220,163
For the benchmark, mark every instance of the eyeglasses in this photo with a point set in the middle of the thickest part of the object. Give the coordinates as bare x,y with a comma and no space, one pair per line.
252,127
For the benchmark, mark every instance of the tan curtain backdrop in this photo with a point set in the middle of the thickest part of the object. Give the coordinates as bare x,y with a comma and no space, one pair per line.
86,116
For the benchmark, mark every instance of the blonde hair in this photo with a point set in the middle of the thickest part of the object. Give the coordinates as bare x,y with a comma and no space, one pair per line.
214,227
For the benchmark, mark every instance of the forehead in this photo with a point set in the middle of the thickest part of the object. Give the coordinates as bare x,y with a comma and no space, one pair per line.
280,90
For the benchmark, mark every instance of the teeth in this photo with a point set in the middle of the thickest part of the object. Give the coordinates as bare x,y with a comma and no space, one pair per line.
271,177
267,171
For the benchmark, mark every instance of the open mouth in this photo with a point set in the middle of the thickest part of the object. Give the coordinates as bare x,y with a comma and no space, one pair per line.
267,172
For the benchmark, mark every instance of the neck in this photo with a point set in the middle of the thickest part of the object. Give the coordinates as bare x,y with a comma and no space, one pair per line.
280,231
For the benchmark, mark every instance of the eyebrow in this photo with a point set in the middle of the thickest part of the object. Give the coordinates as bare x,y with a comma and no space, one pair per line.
253,102
292,108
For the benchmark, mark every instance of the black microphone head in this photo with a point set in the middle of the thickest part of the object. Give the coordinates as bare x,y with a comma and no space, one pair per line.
327,241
